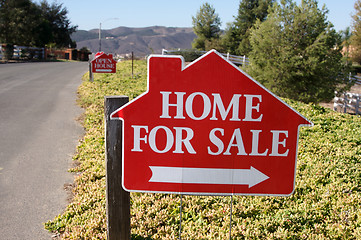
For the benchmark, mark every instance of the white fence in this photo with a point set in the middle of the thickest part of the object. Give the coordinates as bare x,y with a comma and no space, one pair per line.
347,103
239,60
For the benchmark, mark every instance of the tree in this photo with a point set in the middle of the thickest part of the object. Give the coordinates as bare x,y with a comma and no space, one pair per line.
356,33
18,21
56,23
296,53
23,22
206,25
346,42
236,39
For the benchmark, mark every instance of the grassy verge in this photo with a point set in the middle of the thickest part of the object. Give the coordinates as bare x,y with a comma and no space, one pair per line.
325,205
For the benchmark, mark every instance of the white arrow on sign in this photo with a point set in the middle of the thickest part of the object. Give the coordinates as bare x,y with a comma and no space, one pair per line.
103,70
250,177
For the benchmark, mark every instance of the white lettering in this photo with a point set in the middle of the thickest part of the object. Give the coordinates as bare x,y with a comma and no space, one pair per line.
250,107
154,137
218,103
239,143
253,149
216,141
255,143
186,141
137,138
202,108
206,106
153,143
178,105
276,142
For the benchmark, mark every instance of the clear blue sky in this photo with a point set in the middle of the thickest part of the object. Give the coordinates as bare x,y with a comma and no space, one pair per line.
87,14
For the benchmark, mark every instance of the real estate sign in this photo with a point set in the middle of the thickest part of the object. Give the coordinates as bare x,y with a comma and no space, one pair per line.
103,63
208,128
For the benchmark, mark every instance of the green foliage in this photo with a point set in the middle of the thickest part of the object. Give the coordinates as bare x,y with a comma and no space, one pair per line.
356,33
56,25
236,39
325,204
188,55
206,25
17,21
25,23
346,42
296,53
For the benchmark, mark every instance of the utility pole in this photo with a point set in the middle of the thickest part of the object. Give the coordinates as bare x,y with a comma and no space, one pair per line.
100,37
100,32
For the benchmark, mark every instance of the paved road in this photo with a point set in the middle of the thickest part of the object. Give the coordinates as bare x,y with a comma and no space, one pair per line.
38,136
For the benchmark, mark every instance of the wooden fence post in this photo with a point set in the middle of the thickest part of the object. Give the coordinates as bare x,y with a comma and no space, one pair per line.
132,65
118,200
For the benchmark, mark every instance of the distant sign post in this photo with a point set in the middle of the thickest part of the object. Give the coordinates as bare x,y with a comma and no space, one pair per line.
208,128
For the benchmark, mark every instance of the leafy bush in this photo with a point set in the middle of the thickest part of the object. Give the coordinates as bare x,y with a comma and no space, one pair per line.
325,205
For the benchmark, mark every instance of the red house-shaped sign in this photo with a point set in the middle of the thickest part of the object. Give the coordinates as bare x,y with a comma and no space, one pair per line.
103,63
208,128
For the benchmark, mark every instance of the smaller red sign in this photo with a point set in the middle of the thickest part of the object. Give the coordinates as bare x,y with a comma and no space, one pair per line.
103,63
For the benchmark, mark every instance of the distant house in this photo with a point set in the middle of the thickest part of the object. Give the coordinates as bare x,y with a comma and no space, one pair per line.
68,54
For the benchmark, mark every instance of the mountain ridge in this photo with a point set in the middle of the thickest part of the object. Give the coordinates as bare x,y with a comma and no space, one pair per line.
142,41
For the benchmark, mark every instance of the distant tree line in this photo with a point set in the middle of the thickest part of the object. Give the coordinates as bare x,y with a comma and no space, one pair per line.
25,23
293,50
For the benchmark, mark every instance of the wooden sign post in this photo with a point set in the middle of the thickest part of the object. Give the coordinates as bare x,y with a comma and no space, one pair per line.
118,200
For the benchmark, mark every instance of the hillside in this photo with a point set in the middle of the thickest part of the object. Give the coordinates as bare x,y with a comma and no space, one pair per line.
141,41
